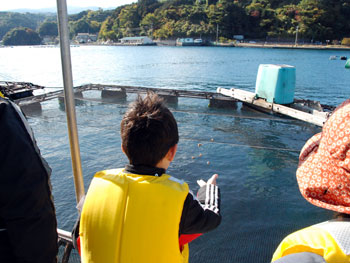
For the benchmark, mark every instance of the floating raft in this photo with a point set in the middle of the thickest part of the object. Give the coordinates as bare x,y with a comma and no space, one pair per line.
120,91
304,110
298,109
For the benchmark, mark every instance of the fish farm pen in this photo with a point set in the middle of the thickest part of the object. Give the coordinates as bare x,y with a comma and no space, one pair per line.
254,153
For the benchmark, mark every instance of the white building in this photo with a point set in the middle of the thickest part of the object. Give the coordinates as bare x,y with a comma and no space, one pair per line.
137,41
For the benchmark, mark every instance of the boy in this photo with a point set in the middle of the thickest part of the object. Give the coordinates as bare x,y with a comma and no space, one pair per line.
139,213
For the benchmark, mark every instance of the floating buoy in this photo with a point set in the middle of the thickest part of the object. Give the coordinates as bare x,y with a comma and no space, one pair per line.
200,155
347,64
193,157
211,139
343,58
332,57
208,162
199,144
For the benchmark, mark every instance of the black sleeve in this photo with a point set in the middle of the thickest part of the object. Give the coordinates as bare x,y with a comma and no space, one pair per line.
203,215
26,208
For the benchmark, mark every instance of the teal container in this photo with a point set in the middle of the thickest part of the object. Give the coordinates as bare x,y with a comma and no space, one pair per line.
347,64
276,83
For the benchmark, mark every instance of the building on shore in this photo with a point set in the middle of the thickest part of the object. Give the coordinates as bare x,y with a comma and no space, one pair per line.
137,41
86,38
50,40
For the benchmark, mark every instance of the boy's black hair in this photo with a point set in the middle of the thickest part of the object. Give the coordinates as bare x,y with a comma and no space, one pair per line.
148,130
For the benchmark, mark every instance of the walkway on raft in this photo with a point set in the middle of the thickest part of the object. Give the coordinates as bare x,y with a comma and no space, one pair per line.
121,90
305,110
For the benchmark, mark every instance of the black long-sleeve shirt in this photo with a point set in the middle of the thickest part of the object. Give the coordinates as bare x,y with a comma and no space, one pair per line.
200,214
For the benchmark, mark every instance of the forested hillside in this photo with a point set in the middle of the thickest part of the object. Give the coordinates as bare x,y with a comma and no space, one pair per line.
11,20
12,24
316,20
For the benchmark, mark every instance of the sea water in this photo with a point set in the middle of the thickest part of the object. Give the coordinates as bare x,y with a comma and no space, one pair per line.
255,155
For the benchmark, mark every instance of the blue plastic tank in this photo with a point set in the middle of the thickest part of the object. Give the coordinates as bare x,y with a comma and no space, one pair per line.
276,83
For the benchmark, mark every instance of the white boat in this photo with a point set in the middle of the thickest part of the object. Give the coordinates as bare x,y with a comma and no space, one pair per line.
189,42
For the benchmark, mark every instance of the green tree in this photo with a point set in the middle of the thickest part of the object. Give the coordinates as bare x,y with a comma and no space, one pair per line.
288,18
88,21
129,21
311,22
148,24
21,36
145,7
78,16
107,32
99,16
336,17
166,31
262,15
80,26
48,29
95,27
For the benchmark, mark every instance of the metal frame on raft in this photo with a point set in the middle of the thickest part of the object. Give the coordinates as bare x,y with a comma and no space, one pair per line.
304,110
122,89
309,111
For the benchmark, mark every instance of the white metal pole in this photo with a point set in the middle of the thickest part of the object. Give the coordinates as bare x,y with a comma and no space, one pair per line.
69,98
217,34
296,35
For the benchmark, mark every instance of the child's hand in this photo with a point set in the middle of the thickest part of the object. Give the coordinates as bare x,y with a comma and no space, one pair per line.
212,180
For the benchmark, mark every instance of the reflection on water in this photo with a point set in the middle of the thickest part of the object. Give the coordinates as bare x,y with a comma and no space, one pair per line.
255,155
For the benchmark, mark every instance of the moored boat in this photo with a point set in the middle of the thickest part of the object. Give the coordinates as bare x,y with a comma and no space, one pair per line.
189,42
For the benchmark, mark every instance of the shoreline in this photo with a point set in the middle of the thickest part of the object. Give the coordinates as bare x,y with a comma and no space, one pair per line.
244,45
292,46
239,45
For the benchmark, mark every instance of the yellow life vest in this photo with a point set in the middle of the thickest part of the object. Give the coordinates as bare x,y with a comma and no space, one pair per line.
132,218
329,239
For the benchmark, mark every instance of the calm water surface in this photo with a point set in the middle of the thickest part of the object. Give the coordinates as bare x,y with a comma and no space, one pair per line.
255,155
